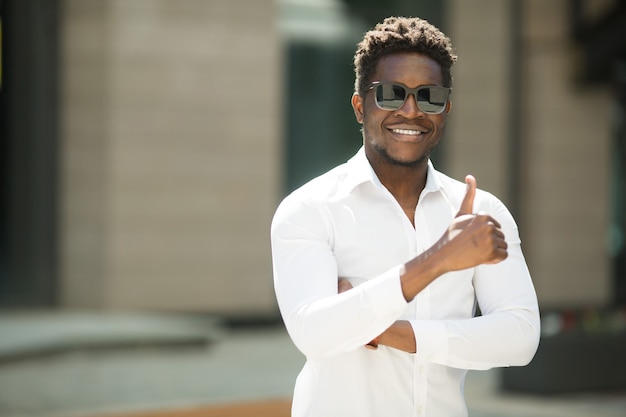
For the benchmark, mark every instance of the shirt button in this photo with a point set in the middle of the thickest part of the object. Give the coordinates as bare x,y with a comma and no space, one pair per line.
420,410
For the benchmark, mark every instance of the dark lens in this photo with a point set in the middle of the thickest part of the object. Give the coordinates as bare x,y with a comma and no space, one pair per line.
390,96
432,99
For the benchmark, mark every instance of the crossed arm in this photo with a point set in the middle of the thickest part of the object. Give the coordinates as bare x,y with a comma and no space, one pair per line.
399,335
322,325
471,240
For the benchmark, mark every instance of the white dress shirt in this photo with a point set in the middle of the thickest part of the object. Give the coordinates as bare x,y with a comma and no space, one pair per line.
346,224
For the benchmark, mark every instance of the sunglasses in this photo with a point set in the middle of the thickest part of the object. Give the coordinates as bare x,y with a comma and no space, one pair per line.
431,99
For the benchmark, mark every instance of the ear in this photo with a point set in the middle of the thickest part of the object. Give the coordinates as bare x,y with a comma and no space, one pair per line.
357,106
448,106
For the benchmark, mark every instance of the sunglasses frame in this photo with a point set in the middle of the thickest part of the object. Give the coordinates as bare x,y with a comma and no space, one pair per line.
408,91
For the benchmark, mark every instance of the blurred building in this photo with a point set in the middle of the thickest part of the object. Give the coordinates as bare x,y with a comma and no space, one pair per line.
146,143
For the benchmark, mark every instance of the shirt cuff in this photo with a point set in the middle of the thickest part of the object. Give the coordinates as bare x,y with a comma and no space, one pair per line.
431,340
389,300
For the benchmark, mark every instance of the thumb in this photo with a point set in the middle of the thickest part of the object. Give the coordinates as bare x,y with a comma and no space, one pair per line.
467,206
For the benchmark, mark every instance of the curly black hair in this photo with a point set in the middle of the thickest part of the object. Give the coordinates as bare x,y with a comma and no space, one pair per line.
402,34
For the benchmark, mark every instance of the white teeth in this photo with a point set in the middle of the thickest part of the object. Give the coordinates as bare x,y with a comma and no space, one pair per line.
406,131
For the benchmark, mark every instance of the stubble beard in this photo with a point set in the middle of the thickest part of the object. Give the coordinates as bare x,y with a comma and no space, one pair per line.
397,162
381,150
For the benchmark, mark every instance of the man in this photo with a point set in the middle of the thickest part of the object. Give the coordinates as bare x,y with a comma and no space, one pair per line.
380,262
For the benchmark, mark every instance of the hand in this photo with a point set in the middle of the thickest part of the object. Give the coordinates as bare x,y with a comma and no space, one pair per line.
343,285
472,239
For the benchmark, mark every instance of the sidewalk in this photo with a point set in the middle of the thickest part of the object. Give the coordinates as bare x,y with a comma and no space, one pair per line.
91,364
132,365
33,334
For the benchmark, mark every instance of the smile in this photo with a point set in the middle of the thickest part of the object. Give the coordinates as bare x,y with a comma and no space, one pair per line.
407,132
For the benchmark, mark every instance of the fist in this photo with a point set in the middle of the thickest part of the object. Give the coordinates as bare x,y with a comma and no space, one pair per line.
472,239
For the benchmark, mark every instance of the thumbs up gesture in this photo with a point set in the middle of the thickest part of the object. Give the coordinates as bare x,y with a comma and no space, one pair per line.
467,205
472,239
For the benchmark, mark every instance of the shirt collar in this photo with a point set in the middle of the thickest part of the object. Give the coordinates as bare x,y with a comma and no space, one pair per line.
360,171
433,181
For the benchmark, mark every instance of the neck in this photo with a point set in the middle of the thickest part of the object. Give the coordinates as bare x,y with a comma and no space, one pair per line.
404,181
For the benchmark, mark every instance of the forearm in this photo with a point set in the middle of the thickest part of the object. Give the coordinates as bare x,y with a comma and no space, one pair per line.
501,339
418,273
343,322
399,336
470,241
469,343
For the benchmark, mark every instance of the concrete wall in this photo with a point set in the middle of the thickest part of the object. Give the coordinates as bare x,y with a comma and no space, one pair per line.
564,195
477,128
171,154
567,165
172,150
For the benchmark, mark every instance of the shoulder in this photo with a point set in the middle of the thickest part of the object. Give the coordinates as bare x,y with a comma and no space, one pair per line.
320,189
306,205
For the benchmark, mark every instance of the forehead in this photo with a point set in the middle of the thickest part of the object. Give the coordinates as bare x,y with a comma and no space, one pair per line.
409,68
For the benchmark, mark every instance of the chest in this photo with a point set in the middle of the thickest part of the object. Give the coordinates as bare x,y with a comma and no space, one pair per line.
370,237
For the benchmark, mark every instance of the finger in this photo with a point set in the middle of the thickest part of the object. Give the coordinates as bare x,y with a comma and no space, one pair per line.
493,221
467,205
343,285
488,219
499,238
501,255
500,251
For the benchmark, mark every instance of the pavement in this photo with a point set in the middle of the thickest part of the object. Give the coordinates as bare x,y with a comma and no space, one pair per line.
92,364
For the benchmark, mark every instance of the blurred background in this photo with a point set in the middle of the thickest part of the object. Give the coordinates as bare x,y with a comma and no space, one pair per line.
145,145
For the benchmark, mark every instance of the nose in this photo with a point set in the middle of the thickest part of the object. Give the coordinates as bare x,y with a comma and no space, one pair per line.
409,109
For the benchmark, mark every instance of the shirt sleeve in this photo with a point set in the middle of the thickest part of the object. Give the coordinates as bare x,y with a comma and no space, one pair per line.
320,321
507,332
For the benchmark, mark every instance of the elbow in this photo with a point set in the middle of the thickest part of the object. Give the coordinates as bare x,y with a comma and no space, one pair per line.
314,348
308,339
526,353
304,343
527,345
318,337
310,350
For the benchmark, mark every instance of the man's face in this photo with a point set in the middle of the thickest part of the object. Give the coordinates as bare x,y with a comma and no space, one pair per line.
405,136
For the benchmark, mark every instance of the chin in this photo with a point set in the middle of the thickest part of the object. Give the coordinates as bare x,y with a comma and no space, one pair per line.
407,162
410,163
